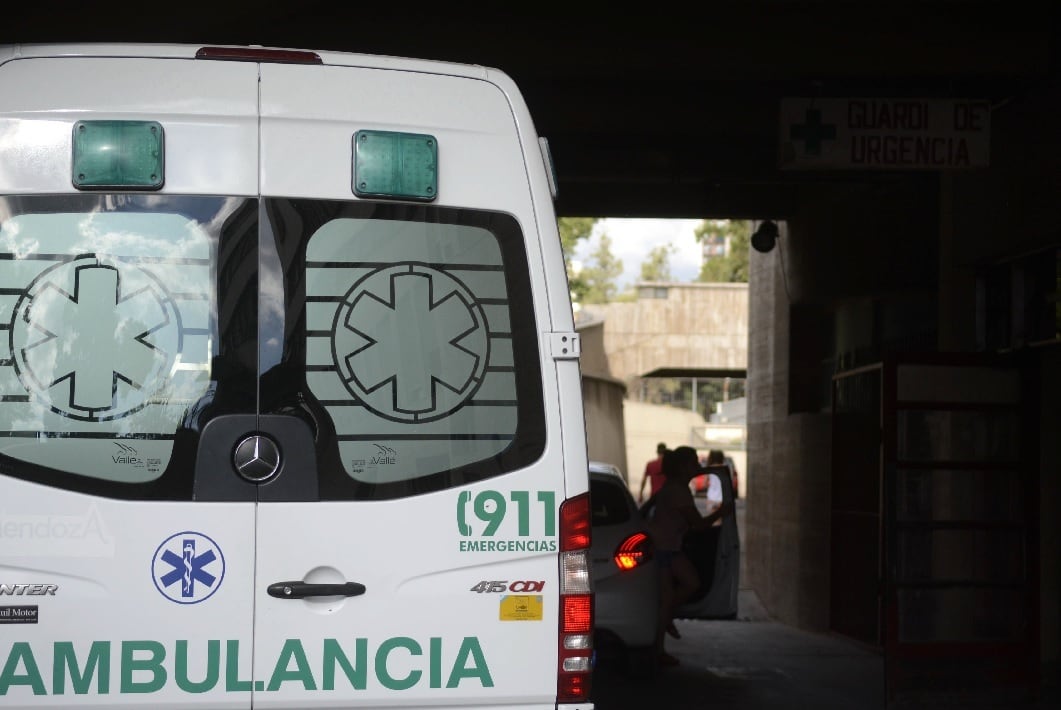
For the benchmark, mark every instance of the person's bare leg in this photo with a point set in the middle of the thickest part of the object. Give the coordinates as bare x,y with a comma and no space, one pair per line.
666,610
684,583
684,580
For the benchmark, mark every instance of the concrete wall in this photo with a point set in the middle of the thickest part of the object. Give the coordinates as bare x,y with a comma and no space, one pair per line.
602,397
593,360
605,429
787,523
696,326
649,424
997,216
1049,518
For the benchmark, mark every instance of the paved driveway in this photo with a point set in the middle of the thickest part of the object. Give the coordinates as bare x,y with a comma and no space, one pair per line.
748,664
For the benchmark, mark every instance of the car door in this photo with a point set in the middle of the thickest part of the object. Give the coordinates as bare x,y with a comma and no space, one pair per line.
716,554
407,546
118,587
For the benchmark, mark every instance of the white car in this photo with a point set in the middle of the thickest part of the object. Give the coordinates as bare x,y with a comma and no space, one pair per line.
624,571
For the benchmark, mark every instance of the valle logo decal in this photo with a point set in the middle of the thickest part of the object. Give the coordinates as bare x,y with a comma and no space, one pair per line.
188,567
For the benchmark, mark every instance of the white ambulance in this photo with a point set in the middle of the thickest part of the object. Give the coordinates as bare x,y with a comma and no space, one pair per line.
290,402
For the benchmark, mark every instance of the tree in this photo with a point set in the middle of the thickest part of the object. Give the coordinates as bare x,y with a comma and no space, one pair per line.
656,266
601,273
572,231
733,266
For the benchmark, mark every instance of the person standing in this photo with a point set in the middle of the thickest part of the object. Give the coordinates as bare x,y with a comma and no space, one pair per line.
716,466
653,474
673,515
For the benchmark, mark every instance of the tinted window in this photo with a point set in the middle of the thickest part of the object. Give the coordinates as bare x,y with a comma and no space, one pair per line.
109,307
409,334
611,505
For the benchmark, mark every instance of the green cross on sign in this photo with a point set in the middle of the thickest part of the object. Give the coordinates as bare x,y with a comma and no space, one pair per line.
813,132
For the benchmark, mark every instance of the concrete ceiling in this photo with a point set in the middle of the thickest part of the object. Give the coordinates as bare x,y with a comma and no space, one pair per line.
651,111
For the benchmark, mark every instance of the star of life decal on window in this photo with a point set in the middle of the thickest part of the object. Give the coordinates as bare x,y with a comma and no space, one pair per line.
94,339
410,342
107,328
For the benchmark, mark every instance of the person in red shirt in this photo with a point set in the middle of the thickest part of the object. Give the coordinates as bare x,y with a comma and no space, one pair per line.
653,473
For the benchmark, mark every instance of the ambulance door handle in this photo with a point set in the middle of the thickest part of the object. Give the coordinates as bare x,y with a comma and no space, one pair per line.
301,590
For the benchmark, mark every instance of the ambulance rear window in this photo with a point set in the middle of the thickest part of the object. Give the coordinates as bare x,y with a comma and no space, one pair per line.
403,336
420,342
109,332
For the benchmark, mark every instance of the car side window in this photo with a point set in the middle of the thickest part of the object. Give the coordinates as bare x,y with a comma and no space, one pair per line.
609,504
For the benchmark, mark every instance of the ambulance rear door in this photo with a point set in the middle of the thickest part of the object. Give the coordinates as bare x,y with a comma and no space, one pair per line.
118,587
407,544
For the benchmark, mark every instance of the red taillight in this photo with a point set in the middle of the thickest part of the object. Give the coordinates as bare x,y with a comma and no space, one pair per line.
573,689
575,645
259,54
634,551
577,614
575,523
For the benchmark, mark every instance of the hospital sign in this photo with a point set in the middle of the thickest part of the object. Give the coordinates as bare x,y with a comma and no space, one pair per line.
884,134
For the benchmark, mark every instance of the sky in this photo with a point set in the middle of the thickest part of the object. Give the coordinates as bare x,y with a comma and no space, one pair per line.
633,239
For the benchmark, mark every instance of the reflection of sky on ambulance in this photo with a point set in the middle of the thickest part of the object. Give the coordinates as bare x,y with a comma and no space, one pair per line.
136,234
271,310
161,236
34,149
14,243
173,254
83,322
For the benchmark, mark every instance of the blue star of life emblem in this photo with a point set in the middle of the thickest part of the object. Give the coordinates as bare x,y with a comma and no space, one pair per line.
188,567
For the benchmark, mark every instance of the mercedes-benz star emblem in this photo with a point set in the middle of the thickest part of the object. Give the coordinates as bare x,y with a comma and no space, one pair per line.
257,458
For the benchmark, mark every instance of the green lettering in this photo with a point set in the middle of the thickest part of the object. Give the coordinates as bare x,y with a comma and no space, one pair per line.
232,682
493,514
522,501
9,676
65,660
435,658
383,675
548,501
292,650
333,653
213,667
470,647
152,664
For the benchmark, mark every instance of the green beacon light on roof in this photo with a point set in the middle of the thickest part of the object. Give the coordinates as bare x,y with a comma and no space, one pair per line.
401,166
127,155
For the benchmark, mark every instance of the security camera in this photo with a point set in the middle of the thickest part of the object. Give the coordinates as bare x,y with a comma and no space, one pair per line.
765,236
